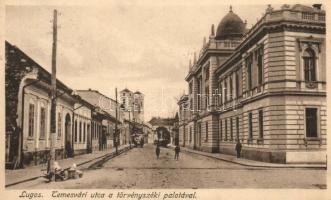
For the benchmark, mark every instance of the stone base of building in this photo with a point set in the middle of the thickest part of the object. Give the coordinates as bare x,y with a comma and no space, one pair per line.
274,156
39,157
208,149
299,157
80,152
265,155
188,146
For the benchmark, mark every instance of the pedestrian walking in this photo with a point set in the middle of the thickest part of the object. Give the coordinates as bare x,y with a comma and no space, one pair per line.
157,151
238,148
177,150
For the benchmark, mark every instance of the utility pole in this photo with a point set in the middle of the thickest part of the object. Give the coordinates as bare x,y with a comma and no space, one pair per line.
53,98
130,125
116,132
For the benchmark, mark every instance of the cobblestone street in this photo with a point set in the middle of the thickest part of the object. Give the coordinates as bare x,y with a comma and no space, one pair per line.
139,169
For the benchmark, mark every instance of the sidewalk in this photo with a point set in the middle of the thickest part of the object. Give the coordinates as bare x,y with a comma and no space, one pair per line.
34,172
250,163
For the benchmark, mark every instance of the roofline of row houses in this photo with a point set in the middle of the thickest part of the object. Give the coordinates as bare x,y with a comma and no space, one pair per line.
96,91
44,75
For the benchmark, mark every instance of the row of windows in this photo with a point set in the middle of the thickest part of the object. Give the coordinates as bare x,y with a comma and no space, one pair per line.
311,125
254,65
96,129
189,134
226,93
226,129
228,85
42,122
84,129
225,136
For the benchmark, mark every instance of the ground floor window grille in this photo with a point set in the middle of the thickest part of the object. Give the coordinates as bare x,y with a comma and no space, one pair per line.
250,126
221,130
237,127
311,122
261,124
206,131
231,129
226,129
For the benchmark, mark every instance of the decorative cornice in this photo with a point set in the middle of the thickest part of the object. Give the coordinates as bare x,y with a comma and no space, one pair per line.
271,27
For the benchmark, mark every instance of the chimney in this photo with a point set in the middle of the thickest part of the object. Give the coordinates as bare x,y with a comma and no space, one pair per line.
317,6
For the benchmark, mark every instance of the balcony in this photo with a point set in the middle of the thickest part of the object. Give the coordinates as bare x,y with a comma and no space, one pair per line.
288,14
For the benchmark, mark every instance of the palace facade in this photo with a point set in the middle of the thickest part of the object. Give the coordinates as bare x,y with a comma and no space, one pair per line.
264,86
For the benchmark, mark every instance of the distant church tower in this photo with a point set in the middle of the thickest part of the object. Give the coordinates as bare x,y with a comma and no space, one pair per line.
138,111
133,105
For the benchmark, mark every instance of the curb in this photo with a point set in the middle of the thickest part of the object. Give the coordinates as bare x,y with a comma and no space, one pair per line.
120,151
251,165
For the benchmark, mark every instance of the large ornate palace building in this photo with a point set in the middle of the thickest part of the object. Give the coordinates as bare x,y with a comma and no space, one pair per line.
264,86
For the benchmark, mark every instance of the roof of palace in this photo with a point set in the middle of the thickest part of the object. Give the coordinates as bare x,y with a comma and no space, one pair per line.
230,27
304,8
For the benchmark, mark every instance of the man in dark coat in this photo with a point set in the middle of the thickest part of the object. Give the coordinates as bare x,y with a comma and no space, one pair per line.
157,151
238,148
177,150
142,142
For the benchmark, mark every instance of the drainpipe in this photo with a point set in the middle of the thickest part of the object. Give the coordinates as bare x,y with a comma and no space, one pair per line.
20,136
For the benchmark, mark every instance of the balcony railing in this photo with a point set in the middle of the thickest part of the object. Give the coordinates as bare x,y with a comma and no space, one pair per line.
288,15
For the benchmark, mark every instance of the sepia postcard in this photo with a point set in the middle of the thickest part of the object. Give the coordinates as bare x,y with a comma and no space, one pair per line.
164,100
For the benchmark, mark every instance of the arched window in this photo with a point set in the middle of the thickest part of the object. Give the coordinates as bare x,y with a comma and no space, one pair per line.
309,65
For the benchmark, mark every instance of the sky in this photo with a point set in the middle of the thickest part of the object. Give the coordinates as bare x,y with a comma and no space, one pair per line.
139,46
